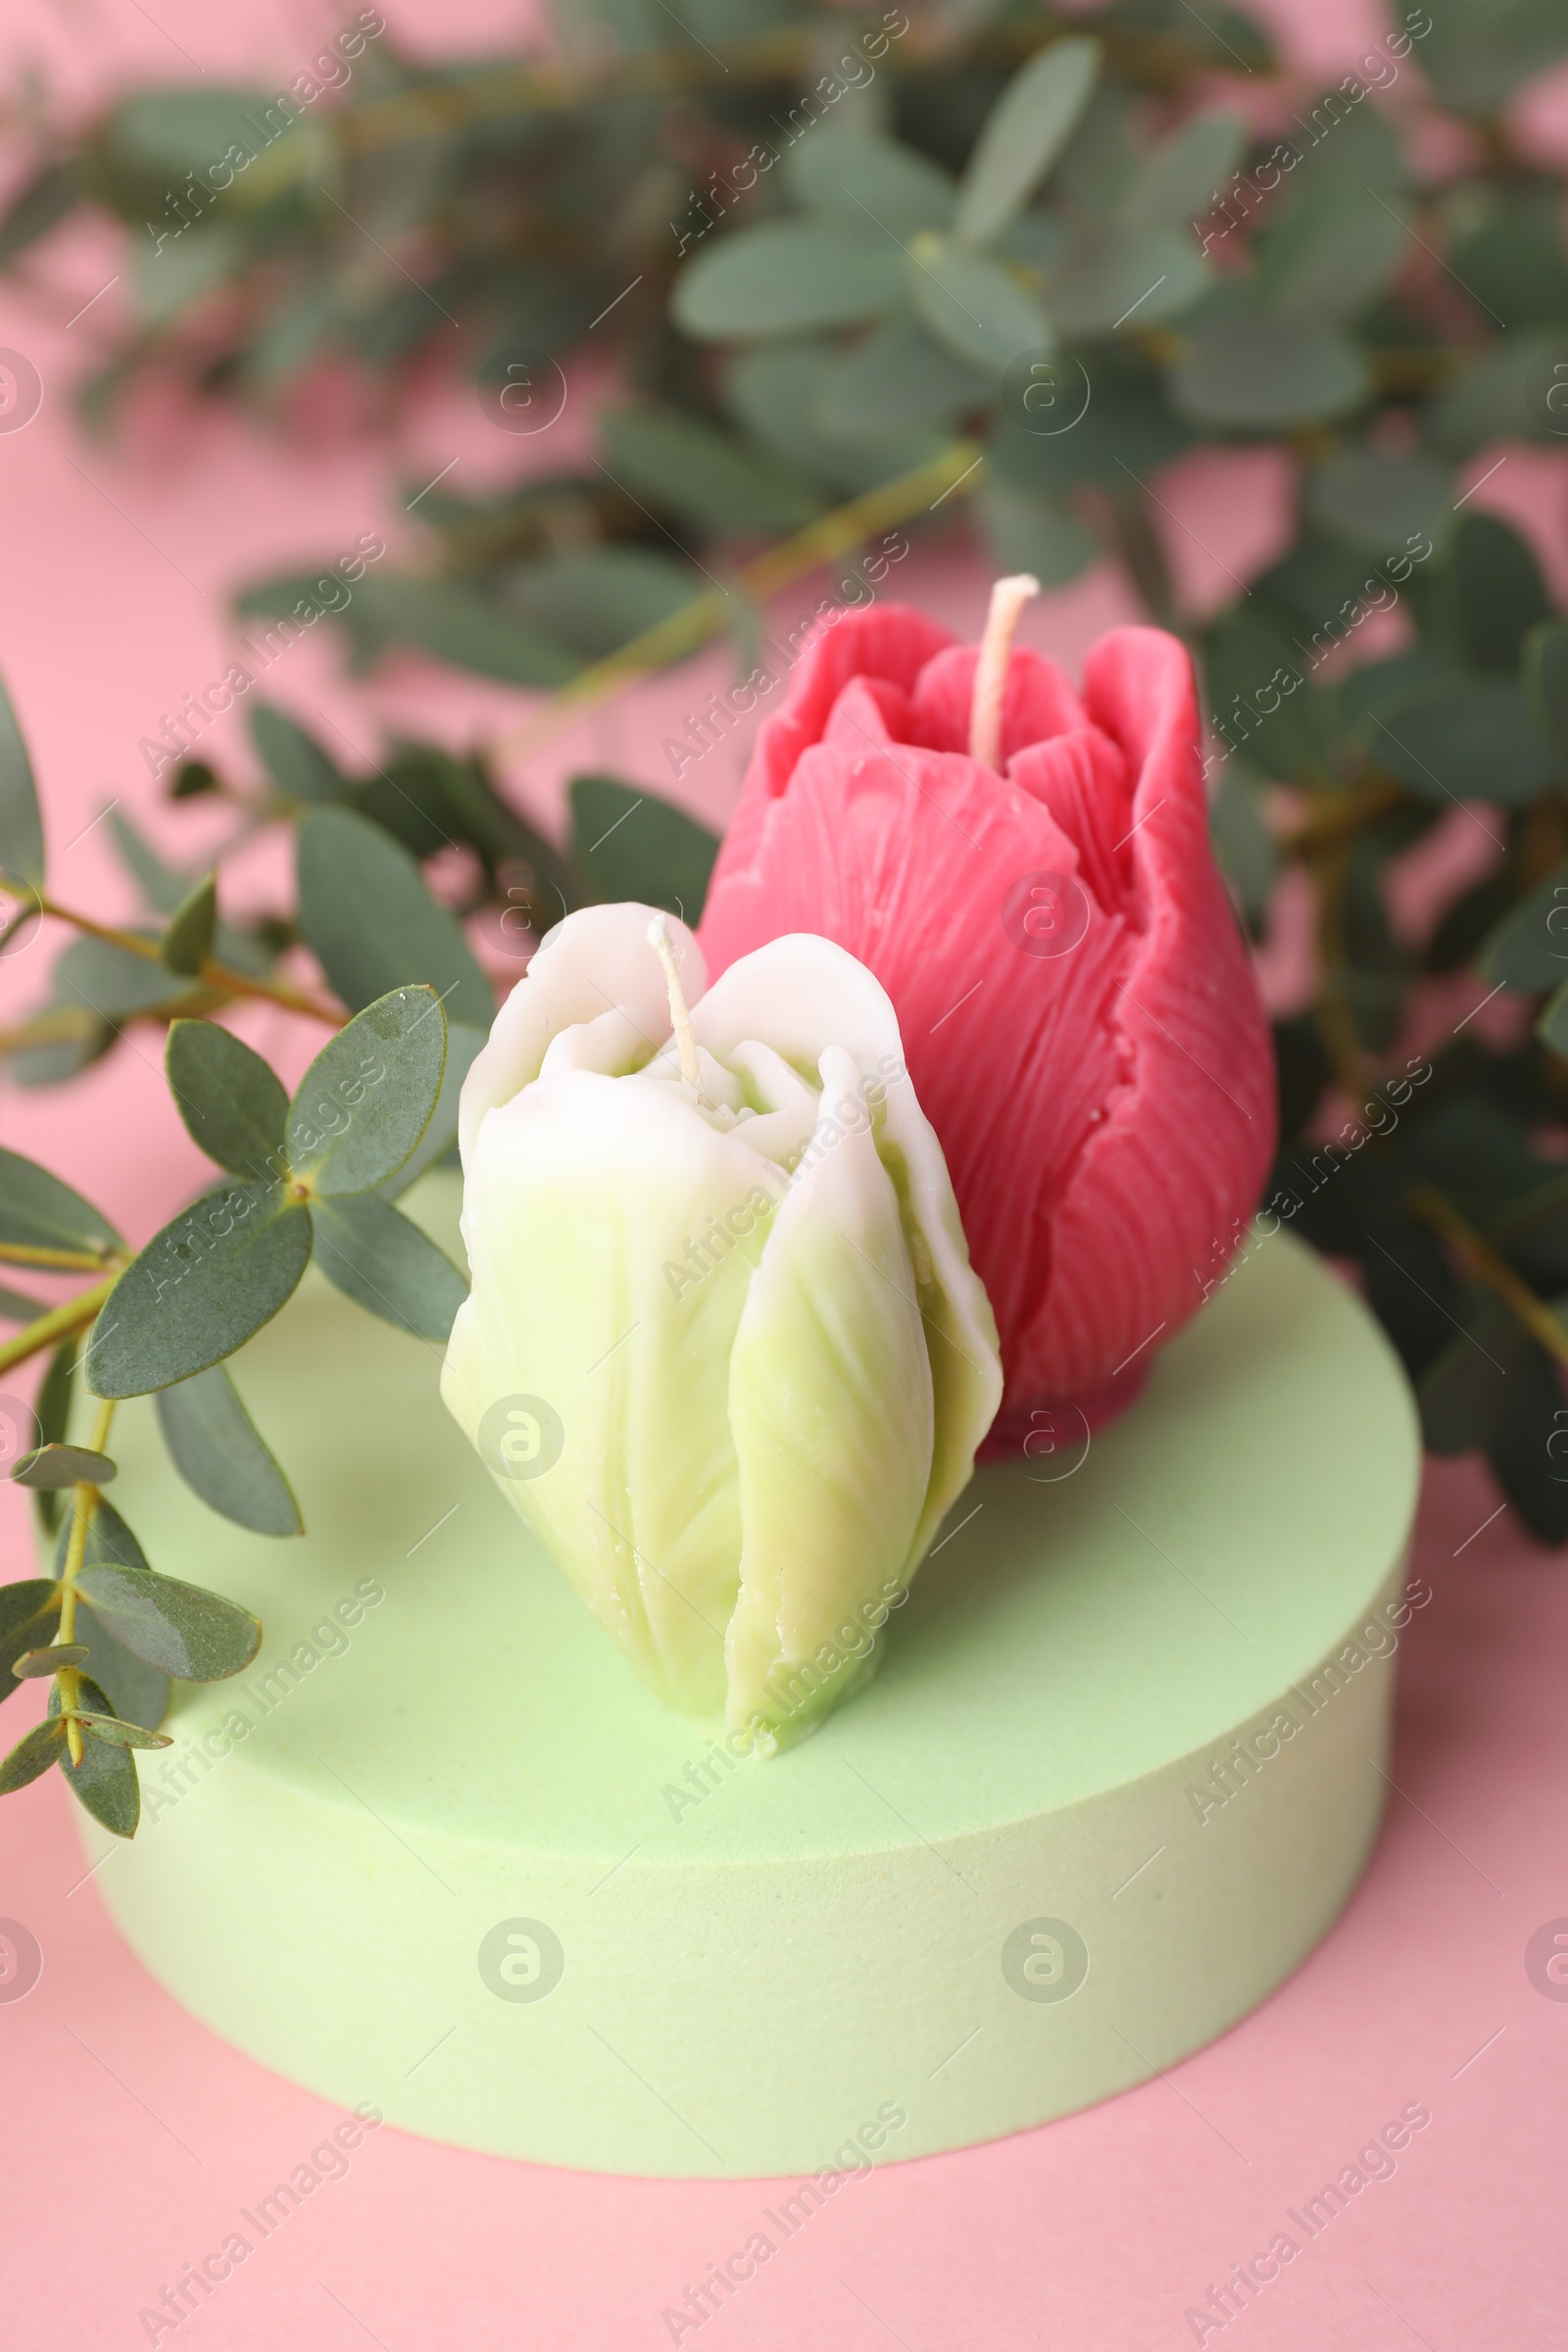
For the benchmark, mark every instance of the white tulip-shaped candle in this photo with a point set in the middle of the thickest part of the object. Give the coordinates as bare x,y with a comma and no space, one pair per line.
724,1350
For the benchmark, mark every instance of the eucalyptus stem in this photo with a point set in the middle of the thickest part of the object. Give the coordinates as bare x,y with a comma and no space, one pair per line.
218,975
84,1502
58,1261
58,1324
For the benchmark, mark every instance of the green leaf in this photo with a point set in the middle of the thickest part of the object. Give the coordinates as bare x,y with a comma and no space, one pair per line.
116,1734
138,1692
367,1098
464,1046
1331,255
105,1781
17,1308
20,822
895,377
28,1614
456,621
1528,1451
53,1408
62,1466
703,474
39,1213
777,393
788,277
863,178
293,759
1025,133
188,940
1552,1026
637,846
216,1448
1377,503
1464,1393
594,599
1031,530
194,1635
1179,179
1246,368
384,1263
1545,676
1247,851
162,886
372,925
201,1287
1528,952
1109,274
42,202
234,1105
33,1756
35,1664
1497,591
976,306
116,984
1471,739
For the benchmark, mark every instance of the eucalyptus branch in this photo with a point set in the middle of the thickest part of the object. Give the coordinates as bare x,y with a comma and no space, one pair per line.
84,1502
960,466
218,975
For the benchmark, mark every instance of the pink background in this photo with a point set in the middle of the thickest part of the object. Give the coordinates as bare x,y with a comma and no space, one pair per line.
132,2138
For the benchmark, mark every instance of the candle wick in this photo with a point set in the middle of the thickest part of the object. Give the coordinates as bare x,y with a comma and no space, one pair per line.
1008,599
680,1021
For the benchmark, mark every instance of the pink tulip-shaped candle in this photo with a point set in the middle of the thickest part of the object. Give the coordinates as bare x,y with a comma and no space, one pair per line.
1028,873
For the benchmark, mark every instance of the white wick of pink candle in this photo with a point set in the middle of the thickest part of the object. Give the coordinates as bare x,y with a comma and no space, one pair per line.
1008,598
680,1021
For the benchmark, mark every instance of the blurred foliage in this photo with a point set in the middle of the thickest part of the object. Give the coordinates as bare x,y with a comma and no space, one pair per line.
815,248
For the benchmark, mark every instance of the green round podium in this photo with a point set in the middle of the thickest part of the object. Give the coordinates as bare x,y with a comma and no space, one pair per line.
440,1850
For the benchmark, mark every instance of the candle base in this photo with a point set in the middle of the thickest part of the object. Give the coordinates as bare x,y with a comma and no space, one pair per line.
439,1850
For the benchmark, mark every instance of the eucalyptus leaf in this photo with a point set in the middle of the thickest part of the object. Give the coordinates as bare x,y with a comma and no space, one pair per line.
114,984
39,1213
193,1636
22,856
188,941
1178,180
162,886
1025,133
1546,677
40,204
1031,530
1497,591
52,1407
293,758
17,1308
381,1261
116,1734
1470,739
974,305
1331,255
1111,275
138,1692
105,1781
1528,952
28,1614
234,1105
32,1755
374,926
1527,1451
778,393
860,177
1245,369
595,599
35,1664
200,1288
457,621
60,1466
637,846
789,277
367,1098
216,1448
464,1046
697,471
1378,504
895,377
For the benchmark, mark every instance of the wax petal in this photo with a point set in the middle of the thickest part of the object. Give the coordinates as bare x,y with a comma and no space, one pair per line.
592,961
580,1194
830,1403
